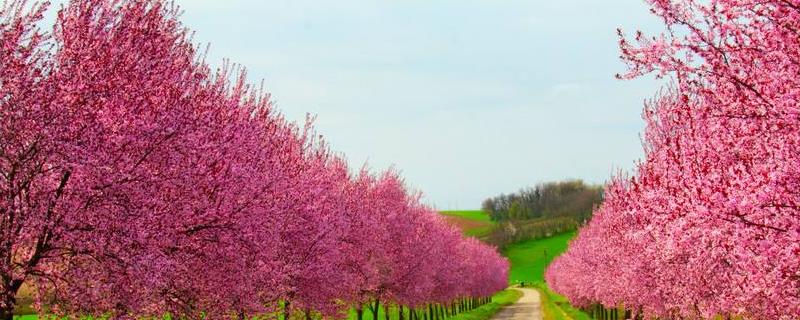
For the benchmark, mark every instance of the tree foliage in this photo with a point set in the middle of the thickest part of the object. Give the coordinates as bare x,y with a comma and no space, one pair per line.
572,198
135,180
709,224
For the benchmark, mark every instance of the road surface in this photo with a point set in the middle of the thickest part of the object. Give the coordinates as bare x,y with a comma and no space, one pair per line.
529,307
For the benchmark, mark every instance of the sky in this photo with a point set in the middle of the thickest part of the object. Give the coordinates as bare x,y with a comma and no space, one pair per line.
467,99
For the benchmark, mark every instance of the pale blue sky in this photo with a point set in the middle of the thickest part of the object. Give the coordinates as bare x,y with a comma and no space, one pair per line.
468,99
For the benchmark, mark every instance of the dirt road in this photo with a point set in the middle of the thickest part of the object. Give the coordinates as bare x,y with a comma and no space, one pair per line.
529,307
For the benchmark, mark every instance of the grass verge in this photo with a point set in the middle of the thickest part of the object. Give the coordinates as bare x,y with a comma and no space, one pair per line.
484,312
556,307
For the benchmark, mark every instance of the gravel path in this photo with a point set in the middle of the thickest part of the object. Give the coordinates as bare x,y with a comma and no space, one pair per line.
529,307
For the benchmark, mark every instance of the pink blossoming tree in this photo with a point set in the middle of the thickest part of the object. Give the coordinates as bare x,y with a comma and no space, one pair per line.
709,224
135,181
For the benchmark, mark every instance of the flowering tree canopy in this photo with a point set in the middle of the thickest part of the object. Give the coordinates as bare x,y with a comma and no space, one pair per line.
710,223
136,180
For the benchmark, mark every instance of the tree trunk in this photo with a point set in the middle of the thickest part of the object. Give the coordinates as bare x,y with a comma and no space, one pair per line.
375,309
385,311
359,312
400,312
308,313
286,310
7,313
9,300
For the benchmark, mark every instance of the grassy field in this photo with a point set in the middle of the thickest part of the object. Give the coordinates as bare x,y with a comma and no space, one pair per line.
474,223
530,258
477,215
528,262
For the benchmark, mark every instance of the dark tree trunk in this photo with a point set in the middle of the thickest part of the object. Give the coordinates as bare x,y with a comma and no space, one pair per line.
308,313
7,314
359,313
375,309
400,312
286,310
385,311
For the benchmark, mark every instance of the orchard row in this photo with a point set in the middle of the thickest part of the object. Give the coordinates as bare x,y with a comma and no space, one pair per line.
710,223
135,181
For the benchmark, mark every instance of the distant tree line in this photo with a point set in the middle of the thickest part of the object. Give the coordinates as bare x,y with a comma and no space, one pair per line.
541,211
572,198
512,231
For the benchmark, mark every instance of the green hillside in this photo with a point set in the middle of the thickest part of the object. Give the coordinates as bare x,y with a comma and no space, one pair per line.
477,215
474,223
530,258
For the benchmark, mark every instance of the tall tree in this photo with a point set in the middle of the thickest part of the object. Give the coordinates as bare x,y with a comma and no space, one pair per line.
709,224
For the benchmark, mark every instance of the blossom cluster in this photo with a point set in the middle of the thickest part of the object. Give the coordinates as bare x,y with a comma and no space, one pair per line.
709,224
136,180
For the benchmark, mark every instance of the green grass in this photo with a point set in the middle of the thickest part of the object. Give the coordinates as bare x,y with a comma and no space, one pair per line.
484,312
556,307
368,314
477,215
499,300
479,232
529,259
473,223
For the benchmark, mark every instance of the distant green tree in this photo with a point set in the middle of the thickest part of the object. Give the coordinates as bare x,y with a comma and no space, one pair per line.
572,198
515,211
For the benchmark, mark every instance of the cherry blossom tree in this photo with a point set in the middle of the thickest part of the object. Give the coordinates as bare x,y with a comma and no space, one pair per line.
708,225
138,181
